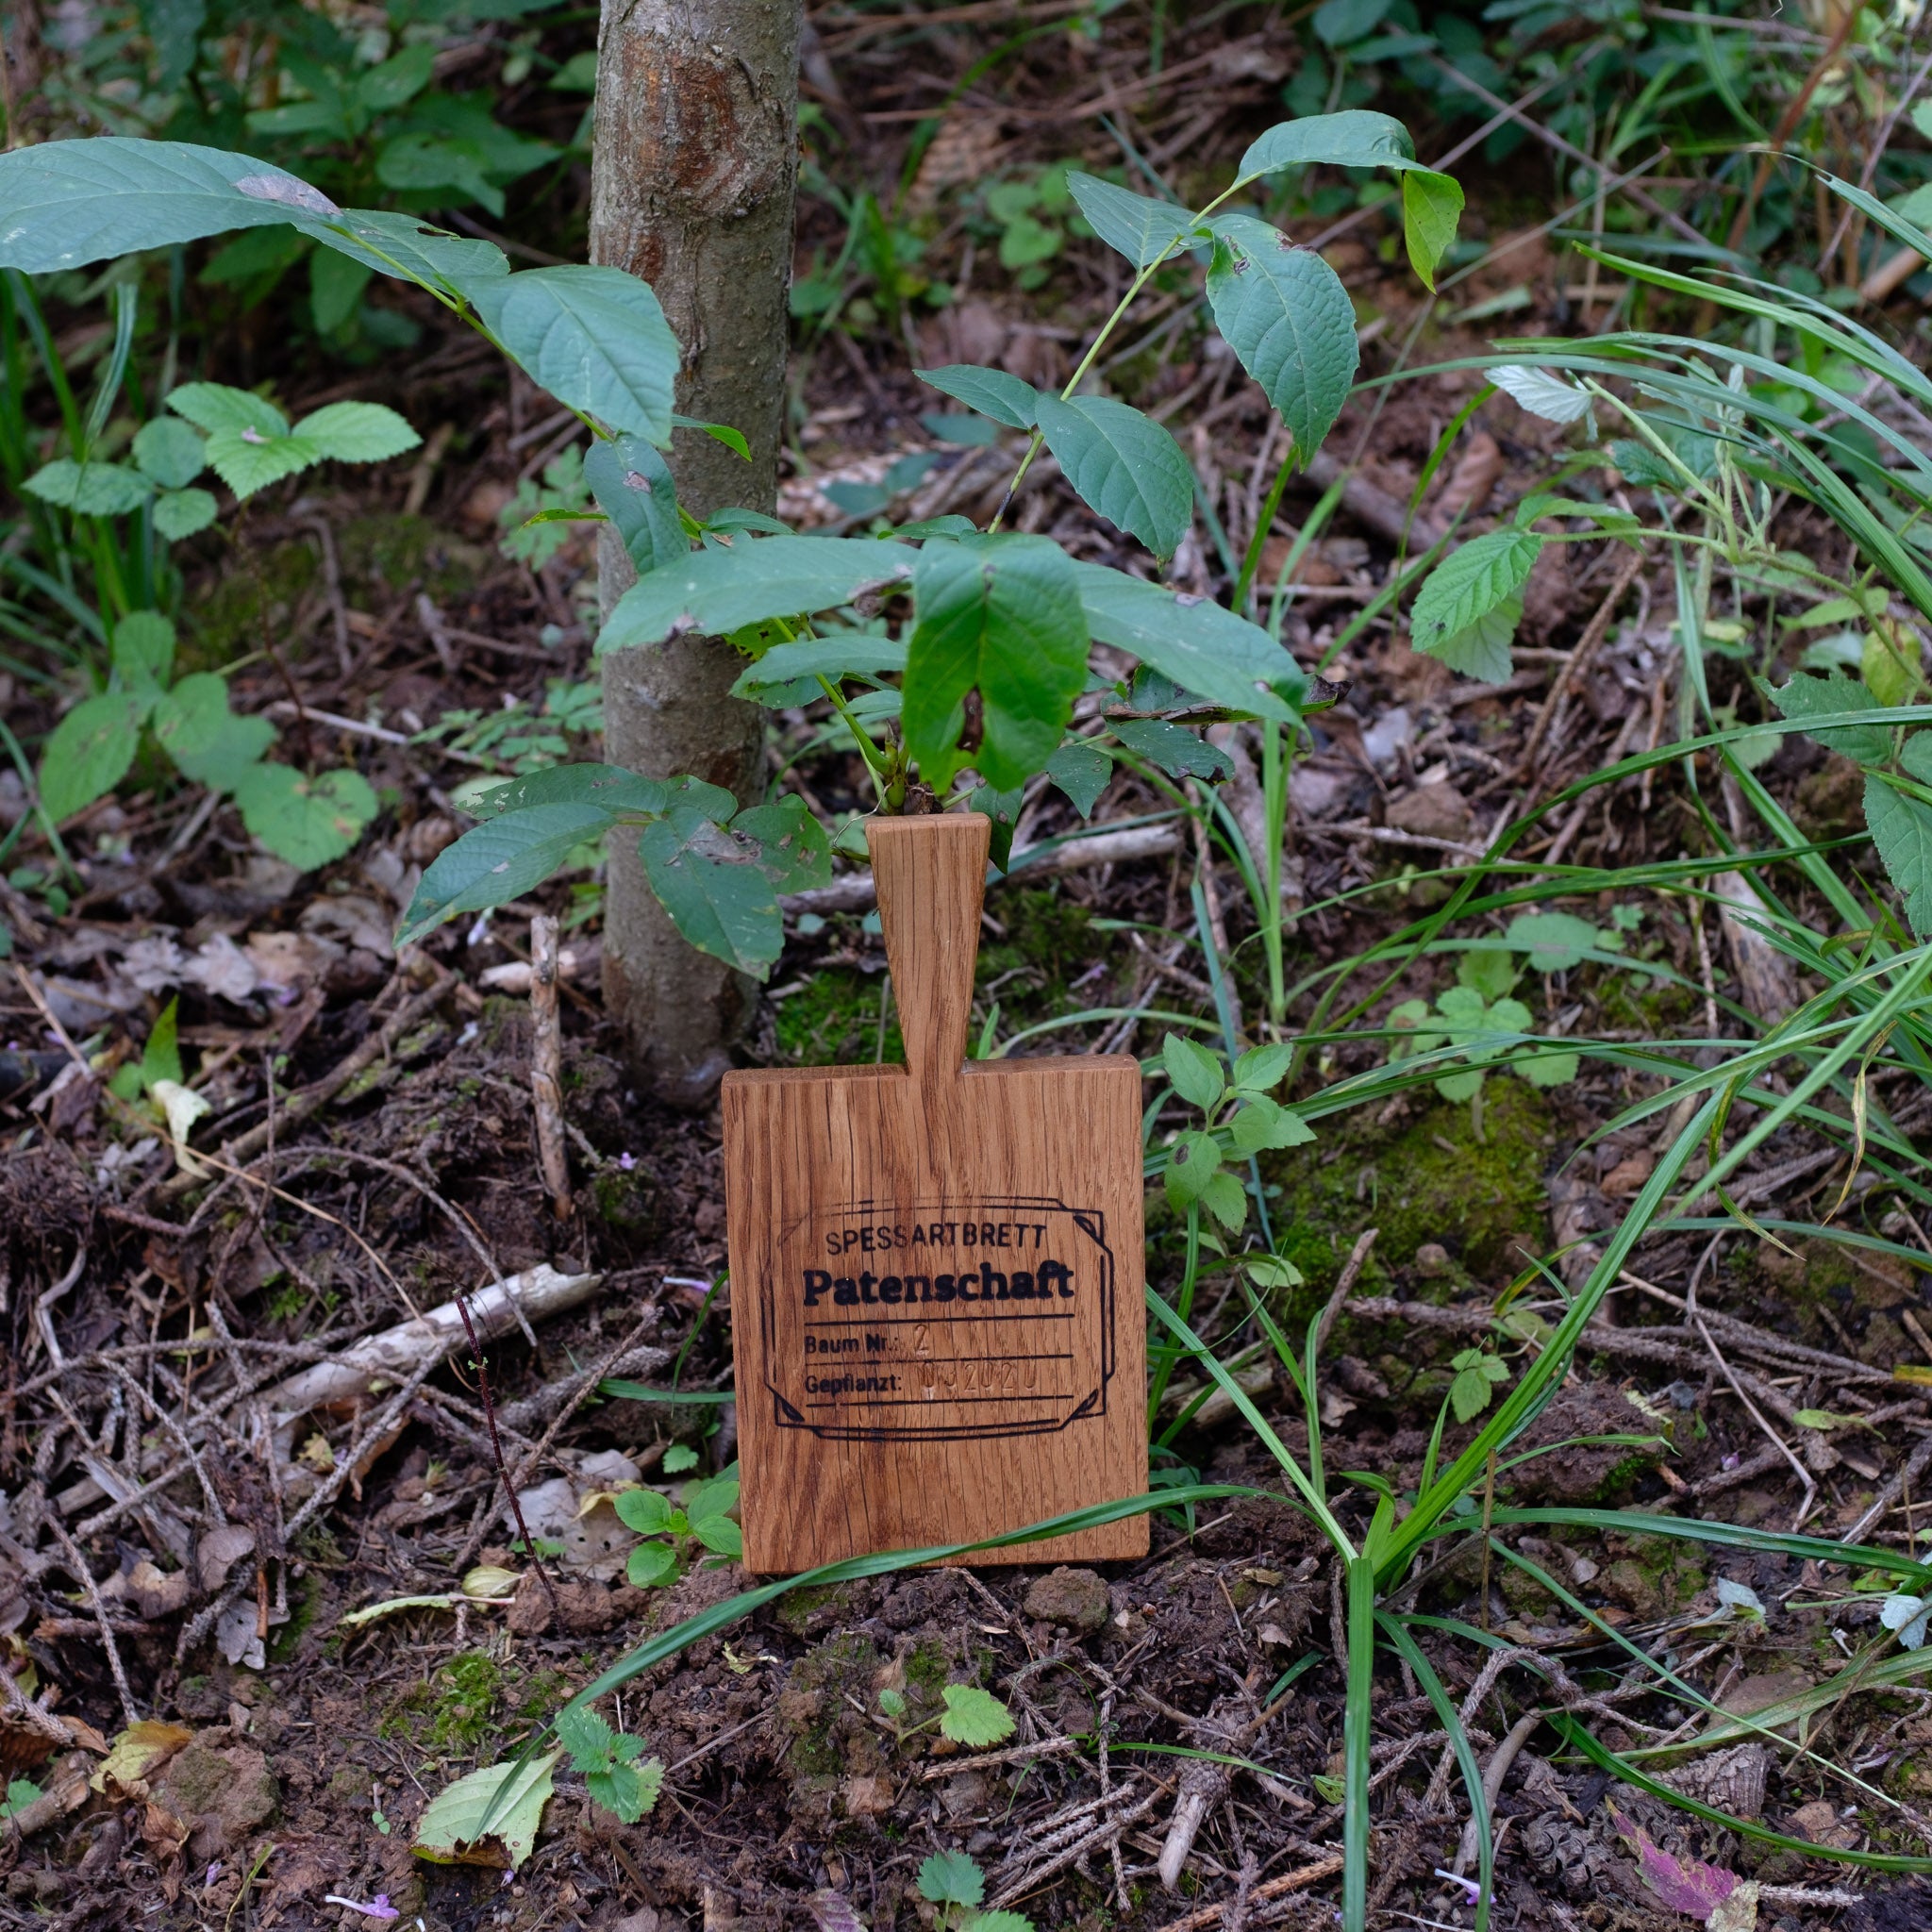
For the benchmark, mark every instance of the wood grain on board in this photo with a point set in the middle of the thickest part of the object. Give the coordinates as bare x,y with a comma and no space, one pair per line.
936,1269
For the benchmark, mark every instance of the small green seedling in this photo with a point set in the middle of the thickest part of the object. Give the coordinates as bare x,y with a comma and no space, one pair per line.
608,1760
21,1792
955,1883
1476,1016
157,1079
1477,1375
703,1517
1239,1119
679,1457
972,1717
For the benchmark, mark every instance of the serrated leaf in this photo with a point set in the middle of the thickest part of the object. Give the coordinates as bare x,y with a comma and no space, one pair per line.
67,202
651,1566
595,338
1901,831
647,1511
213,406
717,591
718,897
974,1717
1466,613
498,860
991,392
1555,941
1263,1067
1193,1163
951,1878
357,432
89,752
144,649
1081,771
1225,1199
1431,207
1543,392
713,1497
585,1735
1001,615
510,1796
306,820
1548,1068
1264,1123
1818,697
169,452
1285,313
1195,1073
180,513
633,485
1355,138
1179,753
205,738
627,1791
1132,225
1122,464
90,490
247,461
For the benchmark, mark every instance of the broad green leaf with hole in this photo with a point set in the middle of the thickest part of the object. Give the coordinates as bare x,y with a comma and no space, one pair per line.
717,895
1284,312
510,1796
1901,829
595,338
68,203
248,461
90,490
1193,1162
1132,225
1001,615
1122,464
306,820
717,591
89,752
1196,1075
357,433
498,860
1081,771
1811,698
203,737
974,1717
180,513
169,452
144,649
214,406
792,850
1179,753
1431,207
633,486
1466,613
651,1565
991,392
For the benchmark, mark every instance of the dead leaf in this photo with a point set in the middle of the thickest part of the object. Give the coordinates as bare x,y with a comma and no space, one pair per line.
220,1551
1684,1884
138,1753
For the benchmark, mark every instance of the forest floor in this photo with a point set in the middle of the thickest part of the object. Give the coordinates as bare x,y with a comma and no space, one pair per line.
394,1166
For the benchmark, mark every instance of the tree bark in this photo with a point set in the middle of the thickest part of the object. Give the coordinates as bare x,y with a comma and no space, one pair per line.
692,188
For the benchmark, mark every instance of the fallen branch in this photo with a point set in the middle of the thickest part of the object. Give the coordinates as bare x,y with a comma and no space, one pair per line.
1275,1888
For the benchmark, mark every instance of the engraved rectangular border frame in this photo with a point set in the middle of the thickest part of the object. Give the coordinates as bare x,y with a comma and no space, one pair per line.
1090,1222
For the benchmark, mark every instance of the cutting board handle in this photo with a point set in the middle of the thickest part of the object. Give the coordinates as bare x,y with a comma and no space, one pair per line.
930,871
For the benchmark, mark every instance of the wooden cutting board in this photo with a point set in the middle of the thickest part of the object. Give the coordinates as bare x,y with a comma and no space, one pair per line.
936,1269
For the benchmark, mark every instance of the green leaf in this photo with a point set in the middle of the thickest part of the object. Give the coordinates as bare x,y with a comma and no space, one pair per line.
1193,1163
651,1566
1341,23
628,1791
732,439
1431,207
160,1059
1286,314
974,1717
511,1796
247,462
90,490
720,1534
717,591
498,860
1548,1068
789,674
1196,1075
647,1511
169,452
205,738
144,649
67,202
585,1735
951,1878
1263,1067
180,513
357,433
213,406
409,248
1081,770
1555,941
792,850
1001,614
400,78
609,788
336,282
991,392
306,820
1178,753
1264,1123
997,1921
1466,613
21,1792
718,897
1227,1200
1353,139
89,750
595,338
1489,971
421,160
715,1496
1193,642
633,485
679,1456
1122,464
1131,224
1819,698
1901,829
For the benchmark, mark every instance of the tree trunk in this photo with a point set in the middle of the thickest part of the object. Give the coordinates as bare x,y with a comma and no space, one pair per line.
691,187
